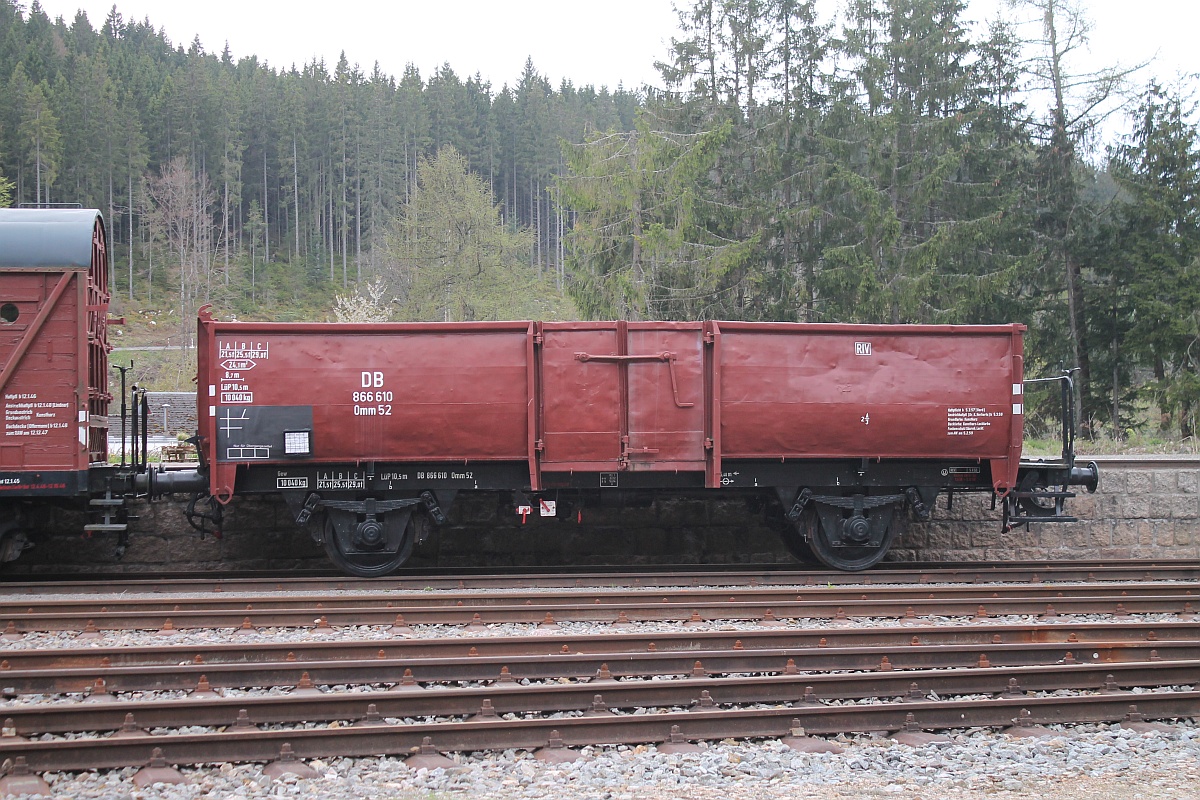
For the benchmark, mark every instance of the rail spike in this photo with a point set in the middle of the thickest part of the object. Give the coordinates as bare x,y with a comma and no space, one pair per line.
8,731
371,717
22,780
129,729
428,757
801,742
556,751
203,688
704,703
99,692
912,734
598,708
676,743
288,764
157,771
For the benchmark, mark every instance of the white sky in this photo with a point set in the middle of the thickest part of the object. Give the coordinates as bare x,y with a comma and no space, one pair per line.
601,42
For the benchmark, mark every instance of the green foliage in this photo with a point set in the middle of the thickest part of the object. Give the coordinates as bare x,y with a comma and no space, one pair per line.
451,257
307,166
37,135
648,242
1154,290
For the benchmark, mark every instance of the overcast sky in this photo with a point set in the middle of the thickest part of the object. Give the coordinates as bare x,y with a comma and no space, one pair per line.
600,43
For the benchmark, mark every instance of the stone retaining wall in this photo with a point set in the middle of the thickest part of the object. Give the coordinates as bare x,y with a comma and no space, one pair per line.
1150,513
1137,513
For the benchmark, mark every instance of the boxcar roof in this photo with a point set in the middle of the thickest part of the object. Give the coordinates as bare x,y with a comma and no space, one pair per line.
46,237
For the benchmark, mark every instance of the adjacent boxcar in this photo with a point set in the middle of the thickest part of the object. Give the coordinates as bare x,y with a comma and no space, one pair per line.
54,381
54,351
369,431
54,347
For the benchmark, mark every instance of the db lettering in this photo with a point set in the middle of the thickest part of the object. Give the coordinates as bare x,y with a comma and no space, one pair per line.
372,380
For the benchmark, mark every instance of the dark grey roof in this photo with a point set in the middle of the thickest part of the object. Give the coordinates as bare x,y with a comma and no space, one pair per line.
47,237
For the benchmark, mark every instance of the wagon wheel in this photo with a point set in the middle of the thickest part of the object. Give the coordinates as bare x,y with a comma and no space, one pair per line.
846,558
793,540
795,543
368,565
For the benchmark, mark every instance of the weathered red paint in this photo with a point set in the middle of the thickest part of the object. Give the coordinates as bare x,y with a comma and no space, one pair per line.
618,396
872,391
54,373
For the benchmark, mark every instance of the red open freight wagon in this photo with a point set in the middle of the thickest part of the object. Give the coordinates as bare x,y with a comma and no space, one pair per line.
371,430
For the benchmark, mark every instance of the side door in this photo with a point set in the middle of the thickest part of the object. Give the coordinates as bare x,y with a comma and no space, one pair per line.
620,396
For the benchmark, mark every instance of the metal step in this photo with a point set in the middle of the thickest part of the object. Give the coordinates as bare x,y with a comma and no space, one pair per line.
105,527
107,501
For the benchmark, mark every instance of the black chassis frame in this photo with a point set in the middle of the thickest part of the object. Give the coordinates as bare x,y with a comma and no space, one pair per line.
352,493
843,491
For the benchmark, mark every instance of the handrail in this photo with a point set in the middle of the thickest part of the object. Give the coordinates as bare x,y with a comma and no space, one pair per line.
667,357
1068,412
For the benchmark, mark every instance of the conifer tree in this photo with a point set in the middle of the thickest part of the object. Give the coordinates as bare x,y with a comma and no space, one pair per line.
451,257
1158,277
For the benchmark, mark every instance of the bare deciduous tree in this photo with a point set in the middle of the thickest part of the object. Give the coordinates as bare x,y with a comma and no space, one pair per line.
180,204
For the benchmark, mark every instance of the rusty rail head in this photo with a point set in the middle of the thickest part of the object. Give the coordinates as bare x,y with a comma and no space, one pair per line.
265,745
417,580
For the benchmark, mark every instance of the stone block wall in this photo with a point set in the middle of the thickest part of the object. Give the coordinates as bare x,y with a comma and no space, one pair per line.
1148,511
171,413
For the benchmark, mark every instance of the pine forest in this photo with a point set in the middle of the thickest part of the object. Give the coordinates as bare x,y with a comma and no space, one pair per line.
896,163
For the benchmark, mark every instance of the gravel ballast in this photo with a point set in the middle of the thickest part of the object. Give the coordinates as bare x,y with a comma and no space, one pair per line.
1092,761
1083,761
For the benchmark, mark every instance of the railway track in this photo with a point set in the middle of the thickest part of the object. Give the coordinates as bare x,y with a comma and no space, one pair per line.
1117,591
424,579
687,662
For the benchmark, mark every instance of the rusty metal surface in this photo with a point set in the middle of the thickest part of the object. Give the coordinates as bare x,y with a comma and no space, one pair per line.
625,695
417,580
1149,461
464,689
596,397
330,647
473,663
681,607
404,600
53,347
814,390
254,744
183,619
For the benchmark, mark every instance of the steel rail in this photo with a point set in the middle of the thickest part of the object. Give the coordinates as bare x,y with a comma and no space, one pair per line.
425,602
254,744
514,698
1163,461
578,665
667,610
625,576
782,637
